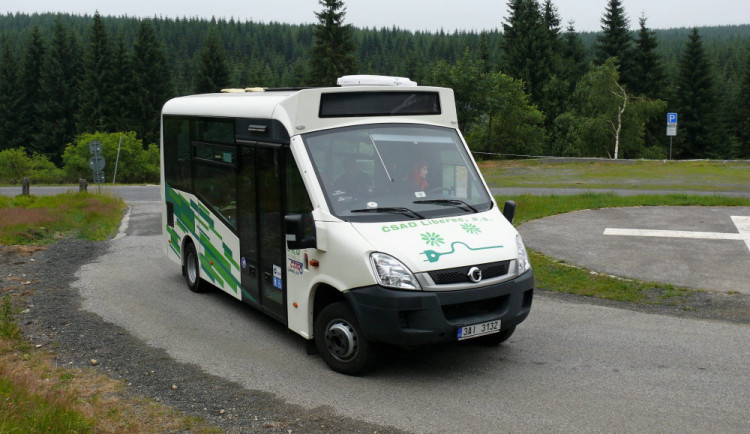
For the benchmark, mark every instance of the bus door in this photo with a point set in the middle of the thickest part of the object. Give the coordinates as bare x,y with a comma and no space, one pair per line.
261,228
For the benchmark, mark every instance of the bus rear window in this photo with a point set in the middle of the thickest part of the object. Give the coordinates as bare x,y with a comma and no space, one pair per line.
351,104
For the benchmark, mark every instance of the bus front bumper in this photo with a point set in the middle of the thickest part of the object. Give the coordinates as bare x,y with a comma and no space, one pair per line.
413,318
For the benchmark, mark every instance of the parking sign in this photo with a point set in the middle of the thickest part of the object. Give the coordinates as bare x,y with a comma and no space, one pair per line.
671,118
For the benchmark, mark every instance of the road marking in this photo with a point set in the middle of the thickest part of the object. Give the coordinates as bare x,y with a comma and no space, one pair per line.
741,222
122,231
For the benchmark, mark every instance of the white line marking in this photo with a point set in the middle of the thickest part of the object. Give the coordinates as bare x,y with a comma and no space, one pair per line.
743,226
742,223
123,225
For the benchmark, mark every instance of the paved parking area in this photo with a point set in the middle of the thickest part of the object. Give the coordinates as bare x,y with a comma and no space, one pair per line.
697,247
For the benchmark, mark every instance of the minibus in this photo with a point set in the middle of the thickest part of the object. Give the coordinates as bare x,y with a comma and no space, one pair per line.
355,215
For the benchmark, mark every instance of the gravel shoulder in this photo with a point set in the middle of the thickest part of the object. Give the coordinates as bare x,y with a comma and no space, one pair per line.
54,319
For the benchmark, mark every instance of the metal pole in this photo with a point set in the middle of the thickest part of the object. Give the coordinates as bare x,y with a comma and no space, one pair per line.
670,147
117,160
96,158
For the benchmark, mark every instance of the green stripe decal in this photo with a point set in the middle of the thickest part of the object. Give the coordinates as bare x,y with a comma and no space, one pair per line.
217,261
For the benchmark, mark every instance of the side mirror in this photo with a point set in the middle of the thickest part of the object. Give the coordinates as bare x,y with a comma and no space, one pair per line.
300,231
509,210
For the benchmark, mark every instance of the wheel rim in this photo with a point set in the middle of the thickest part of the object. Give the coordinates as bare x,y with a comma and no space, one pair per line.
192,268
341,340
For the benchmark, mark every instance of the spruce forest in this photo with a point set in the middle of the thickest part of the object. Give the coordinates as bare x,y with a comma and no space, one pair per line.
533,87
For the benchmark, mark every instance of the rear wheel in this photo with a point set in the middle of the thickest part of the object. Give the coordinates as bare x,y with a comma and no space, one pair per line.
340,340
192,269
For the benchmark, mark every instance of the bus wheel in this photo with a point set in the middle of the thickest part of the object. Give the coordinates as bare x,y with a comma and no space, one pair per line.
192,269
340,340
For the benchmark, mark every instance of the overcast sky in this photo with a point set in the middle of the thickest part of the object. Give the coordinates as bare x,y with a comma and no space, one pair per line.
431,15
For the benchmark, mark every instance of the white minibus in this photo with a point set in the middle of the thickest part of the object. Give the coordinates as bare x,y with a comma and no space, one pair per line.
355,215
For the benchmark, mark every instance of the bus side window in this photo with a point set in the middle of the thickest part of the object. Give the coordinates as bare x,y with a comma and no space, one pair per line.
177,152
215,179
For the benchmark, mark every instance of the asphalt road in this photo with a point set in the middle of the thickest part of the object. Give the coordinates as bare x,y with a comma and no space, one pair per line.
569,367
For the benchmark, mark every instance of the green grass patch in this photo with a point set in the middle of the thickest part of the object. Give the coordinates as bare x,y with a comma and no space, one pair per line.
24,412
553,275
44,219
8,325
628,174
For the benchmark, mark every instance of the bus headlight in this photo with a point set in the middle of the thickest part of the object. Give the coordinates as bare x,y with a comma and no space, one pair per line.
523,257
391,273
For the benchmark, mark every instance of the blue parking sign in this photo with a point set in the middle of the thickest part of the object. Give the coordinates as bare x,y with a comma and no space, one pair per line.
671,118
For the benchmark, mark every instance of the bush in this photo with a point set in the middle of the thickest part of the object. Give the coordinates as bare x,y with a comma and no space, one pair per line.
15,164
135,164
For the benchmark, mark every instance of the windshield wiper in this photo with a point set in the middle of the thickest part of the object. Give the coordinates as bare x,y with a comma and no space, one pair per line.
456,202
394,210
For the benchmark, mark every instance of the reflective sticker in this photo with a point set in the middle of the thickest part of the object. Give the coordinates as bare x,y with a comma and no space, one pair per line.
243,262
295,267
277,282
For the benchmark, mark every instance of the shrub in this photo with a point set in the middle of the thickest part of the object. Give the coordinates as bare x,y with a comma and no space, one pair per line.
15,164
135,164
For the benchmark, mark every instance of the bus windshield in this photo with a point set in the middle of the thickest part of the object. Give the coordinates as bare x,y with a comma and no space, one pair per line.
396,171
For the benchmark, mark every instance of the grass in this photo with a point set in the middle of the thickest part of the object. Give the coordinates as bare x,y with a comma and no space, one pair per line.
553,275
622,174
38,396
557,276
35,394
45,219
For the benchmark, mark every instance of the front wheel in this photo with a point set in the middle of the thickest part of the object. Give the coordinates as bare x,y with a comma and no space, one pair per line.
340,340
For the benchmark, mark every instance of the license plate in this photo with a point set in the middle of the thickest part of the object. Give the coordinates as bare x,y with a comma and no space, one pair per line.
474,330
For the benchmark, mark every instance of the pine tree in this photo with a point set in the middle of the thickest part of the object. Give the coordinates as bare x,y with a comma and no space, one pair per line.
97,88
213,72
573,56
333,50
527,55
551,20
150,84
10,99
648,73
30,82
696,102
741,121
119,113
615,40
58,101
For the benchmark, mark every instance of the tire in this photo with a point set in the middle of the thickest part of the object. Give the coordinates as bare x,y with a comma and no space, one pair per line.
192,269
340,340
496,338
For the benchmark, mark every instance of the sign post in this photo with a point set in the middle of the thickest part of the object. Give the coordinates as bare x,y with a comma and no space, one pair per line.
671,129
97,163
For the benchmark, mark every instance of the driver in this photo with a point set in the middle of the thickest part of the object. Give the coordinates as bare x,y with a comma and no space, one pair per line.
418,177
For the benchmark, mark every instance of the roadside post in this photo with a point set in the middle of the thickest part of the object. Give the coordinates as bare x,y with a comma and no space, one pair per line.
671,129
117,160
97,163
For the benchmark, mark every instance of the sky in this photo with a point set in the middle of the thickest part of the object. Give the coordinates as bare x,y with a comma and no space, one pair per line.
414,15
